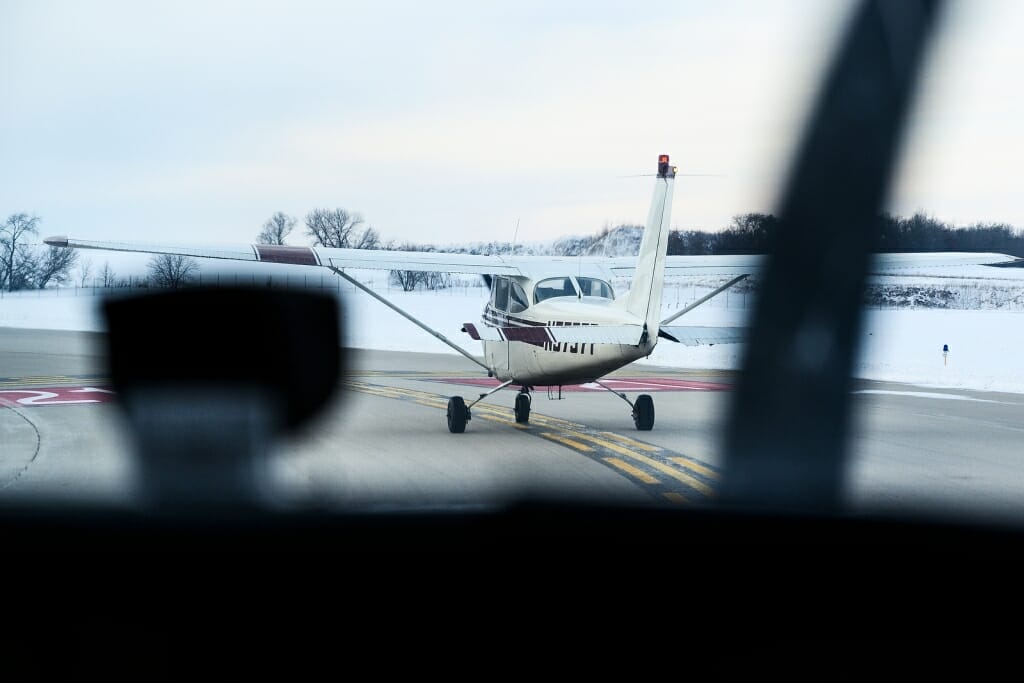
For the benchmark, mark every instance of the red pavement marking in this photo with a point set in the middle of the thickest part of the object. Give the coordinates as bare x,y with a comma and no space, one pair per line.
633,384
55,396
61,396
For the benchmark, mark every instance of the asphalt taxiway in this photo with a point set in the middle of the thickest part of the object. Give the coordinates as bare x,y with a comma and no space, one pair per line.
383,441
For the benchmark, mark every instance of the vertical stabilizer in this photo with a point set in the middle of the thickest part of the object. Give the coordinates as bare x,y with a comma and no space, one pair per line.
644,297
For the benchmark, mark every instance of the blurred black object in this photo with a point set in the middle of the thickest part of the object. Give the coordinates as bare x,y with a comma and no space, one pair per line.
210,377
787,437
286,341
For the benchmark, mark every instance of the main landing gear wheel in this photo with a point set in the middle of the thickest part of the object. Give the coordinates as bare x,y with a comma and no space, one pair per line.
458,415
522,409
643,412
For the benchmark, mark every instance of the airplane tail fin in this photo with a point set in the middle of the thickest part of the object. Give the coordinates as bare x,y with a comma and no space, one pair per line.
644,297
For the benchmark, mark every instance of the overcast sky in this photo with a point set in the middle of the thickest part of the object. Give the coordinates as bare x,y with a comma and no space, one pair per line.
446,122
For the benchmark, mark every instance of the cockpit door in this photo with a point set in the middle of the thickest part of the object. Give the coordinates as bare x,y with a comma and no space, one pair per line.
497,353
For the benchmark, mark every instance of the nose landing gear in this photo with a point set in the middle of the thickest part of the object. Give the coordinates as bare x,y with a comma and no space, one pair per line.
522,409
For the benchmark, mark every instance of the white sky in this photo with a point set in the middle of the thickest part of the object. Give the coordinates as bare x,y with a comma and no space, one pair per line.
450,121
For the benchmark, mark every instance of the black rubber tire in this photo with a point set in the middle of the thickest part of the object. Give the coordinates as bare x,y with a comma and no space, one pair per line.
522,409
643,413
458,415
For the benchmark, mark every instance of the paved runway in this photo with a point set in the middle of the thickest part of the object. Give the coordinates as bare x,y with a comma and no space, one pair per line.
384,443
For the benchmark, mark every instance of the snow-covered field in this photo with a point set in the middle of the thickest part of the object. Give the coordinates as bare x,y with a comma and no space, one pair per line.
986,347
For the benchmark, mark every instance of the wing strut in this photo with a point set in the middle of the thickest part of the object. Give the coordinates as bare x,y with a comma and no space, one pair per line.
398,310
701,300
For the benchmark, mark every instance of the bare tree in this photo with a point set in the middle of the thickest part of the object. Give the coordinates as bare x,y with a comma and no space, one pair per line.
17,263
54,266
171,270
368,239
84,271
434,281
406,279
276,229
23,273
108,278
341,229
22,265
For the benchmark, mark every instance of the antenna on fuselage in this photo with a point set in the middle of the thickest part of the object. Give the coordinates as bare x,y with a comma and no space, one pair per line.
515,233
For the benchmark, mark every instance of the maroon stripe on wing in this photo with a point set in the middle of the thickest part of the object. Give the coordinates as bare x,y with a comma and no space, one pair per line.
300,256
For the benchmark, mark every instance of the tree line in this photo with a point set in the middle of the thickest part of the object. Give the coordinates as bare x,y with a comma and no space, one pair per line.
753,233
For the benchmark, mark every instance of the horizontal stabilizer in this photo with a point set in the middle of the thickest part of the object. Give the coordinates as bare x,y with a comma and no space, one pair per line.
690,335
575,334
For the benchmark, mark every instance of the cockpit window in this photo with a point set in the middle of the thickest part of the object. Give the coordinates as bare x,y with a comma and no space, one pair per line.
499,296
517,299
592,287
552,287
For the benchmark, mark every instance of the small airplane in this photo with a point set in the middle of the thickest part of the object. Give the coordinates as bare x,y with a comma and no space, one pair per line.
552,321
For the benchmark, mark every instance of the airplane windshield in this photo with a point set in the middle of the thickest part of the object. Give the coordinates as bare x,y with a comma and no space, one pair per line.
593,287
552,287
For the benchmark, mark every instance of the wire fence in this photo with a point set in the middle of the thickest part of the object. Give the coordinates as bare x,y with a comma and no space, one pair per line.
965,295
328,282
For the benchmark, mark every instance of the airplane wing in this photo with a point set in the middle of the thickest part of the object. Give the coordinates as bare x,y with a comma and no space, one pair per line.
883,264
531,266
709,265
369,259
366,259
898,264
232,252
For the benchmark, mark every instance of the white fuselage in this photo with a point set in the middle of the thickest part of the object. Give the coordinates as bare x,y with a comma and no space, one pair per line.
550,363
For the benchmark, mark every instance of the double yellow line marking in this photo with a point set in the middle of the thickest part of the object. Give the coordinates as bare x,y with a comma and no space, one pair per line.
670,476
50,381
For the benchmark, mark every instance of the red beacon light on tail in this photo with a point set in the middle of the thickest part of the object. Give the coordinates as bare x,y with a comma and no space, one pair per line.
664,170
